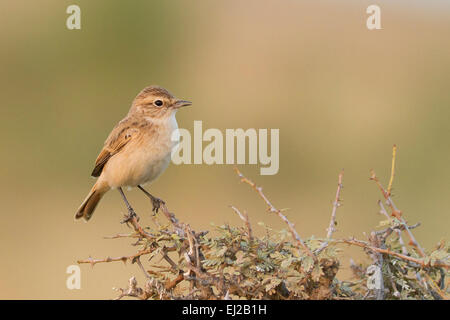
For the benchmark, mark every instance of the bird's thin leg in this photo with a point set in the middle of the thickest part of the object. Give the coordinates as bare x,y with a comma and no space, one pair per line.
131,212
156,202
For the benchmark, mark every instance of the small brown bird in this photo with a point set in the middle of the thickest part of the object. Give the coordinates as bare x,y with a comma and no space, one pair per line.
137,150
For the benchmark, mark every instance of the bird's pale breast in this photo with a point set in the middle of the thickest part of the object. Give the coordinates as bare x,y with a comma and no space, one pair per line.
143,160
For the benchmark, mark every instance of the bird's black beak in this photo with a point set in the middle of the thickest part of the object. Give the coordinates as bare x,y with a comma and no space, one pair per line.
182,103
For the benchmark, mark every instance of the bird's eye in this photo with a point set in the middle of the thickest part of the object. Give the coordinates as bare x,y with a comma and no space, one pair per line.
158,103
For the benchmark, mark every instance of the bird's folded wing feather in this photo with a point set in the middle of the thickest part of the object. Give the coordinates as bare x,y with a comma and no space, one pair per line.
125,131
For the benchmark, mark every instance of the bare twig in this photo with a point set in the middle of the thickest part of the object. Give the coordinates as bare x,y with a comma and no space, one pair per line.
336,204
391,180
244,217
179,227
420,262
124,259
138,262
122,235
383,210
272,209
402,243
397,213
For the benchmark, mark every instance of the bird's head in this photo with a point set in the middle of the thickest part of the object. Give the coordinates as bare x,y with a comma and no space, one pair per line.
157,102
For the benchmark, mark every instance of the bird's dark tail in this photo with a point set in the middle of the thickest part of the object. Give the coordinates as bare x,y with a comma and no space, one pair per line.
88,206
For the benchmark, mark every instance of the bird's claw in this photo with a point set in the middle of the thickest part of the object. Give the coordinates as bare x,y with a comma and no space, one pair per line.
131,214
156,202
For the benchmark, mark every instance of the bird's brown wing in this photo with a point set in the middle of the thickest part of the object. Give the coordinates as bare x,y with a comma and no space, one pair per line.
123,132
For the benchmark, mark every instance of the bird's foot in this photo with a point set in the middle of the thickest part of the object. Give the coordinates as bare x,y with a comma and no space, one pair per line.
156,203
131,214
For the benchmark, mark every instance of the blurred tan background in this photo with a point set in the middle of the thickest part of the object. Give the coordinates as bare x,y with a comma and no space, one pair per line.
340,94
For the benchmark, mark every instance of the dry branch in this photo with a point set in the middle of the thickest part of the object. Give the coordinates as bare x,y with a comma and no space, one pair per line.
239,264
391,180
397,214
336,204
244,217
272,209
420,262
